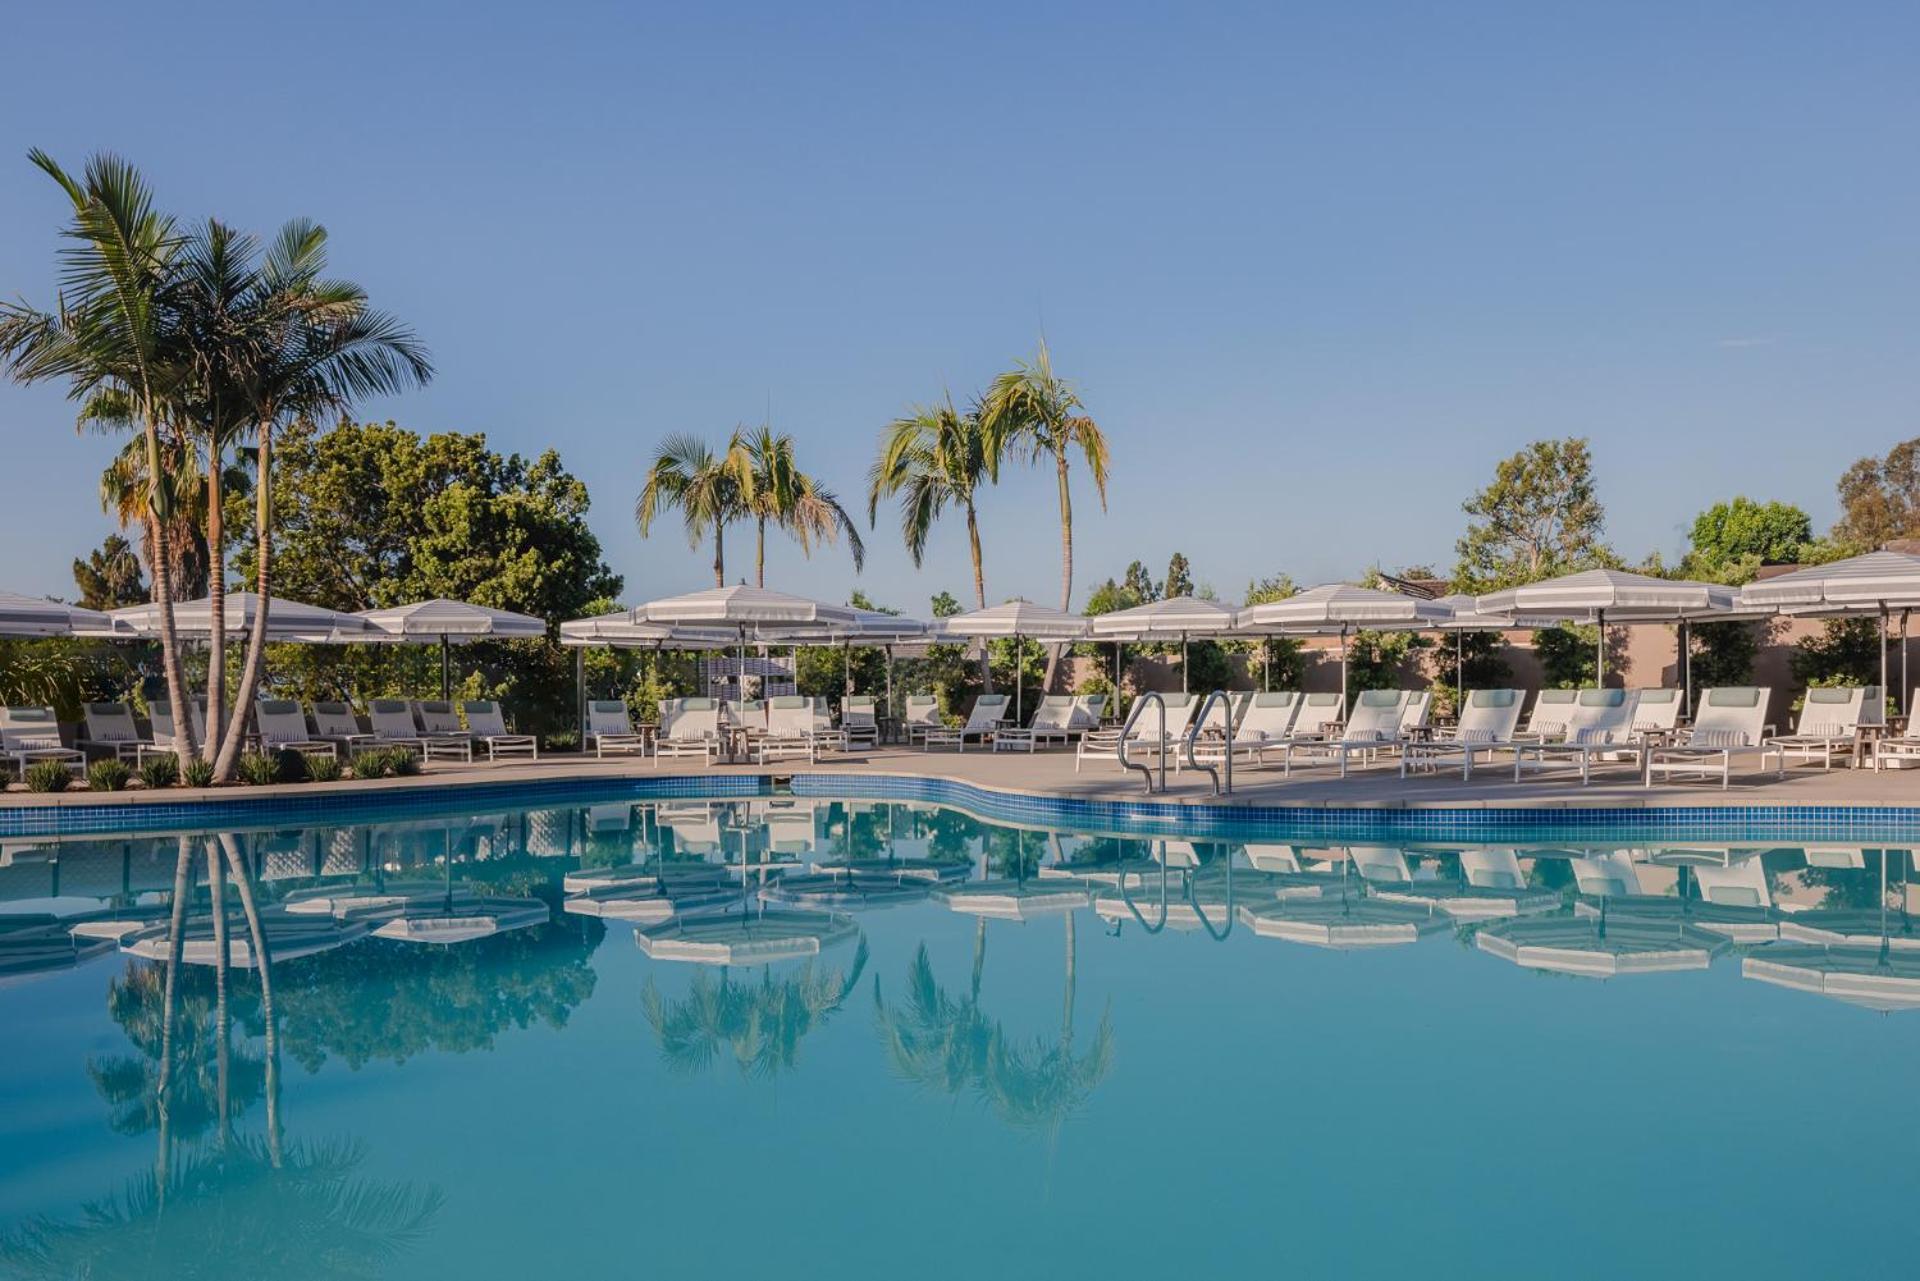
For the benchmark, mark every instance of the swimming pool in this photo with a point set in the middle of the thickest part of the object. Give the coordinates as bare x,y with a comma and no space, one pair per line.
823,1034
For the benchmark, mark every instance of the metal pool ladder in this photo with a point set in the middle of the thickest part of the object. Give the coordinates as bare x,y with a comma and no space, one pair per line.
1126,734
1222,786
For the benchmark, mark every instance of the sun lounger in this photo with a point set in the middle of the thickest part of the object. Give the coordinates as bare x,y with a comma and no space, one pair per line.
1829,726
1087,711
487,725
922,717
1486,725
1372,727
29,735
1601,727
688,727
790,731
860,721
160,712
988,715
610,727
1552,709
334,723
1730,726
1052,720
393,726
280,726
1656,713
111,731
1145,736
1414,713
1267,720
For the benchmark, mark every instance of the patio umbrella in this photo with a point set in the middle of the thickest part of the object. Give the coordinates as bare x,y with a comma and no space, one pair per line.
35,616
756,938
447,621
1592,595
1020,620
287,620
866,627
1181,616
741,608
1338,608
1597,947
1875,583
618,631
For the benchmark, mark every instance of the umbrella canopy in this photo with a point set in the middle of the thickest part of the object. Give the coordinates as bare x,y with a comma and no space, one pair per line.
1593,594
618,631
1175,616
454,620
1015,618
1596,947
1867,977
863,627
1339,606
755,939
287,620
739,607
34,616
1874,581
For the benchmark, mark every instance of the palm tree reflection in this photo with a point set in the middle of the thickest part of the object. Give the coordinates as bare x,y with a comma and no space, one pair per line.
759,1025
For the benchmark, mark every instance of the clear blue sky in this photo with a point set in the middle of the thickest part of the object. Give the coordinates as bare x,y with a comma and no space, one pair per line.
1314,267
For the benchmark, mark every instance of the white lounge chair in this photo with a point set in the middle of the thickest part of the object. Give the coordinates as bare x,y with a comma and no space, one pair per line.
1601,726
922,716
1829,726
111,730
820,721
989,713
790,731
1414,712
280,726
1052,720
487,725
1372,726
1267,719
1087,711
747,716
688,727
1486,725
333,722
1105,743
160,712
394,726
1656,713
29,735
610,727
1731,724
1552,709
860,720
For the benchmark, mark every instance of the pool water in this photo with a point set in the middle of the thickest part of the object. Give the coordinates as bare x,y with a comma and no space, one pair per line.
800,1037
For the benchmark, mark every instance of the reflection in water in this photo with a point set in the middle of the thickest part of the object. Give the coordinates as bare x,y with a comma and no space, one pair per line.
342,948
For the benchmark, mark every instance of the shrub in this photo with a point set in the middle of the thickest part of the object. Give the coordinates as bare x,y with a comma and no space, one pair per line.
323,769
109,775
377,763
197,773
405,763
160,771
562,740
48,776
258,769
6,775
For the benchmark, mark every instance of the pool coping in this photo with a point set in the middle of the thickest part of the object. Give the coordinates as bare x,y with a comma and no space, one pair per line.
377,800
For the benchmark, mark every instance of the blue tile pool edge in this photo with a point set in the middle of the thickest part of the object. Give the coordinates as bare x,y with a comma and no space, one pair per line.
1718,824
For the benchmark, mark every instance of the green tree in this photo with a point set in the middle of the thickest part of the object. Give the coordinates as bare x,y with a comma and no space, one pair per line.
1282,657
1140,583
1179,577
1538,518
933,459
1880,498
110,576
709,490
1567,657
1031,410
1731,540
791,500
1847,652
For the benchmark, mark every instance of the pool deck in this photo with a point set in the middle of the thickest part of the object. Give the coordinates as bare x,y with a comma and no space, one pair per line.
1052,774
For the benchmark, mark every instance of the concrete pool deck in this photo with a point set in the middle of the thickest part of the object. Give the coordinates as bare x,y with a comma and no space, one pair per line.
1052,774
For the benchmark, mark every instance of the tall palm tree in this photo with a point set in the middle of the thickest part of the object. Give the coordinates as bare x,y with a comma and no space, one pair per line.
303,345
790,499
709,490
934,458
1031,410
113,336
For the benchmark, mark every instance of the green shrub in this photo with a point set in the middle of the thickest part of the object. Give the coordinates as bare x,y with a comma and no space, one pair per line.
323,769
6,775
405,763
562,740
109,775
197,773
258,769
377,763
48,776
160,771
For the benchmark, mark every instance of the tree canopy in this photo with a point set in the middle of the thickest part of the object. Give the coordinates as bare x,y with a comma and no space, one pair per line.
1731,540
1538,518
1880,497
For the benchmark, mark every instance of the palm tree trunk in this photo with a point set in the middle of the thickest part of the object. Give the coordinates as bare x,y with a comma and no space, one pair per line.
1054,652
217,892
176,944
759,555
719,555
177,692
263,965
979,591
262,581
979,956
216,604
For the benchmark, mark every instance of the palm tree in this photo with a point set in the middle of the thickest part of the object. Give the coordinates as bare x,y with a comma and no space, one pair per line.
789,499
1031,410
112,339
305,345
710,491
934,458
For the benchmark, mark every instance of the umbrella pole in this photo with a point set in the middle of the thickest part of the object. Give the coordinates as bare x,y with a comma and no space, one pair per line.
1019,678
1883,662
1905,703
580,693
889,652
1686,667
1183,663
446,679
1343,671
1459,672
1600,653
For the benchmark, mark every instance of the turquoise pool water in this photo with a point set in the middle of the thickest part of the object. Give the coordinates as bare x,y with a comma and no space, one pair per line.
808,1037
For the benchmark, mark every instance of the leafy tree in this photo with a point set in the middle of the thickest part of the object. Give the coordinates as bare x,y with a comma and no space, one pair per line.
709,490
934,458
1537,519
1179,577
110,576
1031,410
792,500
1731,540
1847,652
1567,657
1110,597
1723,653
1375,659
1880,498
375,514
1282,656
1140,584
